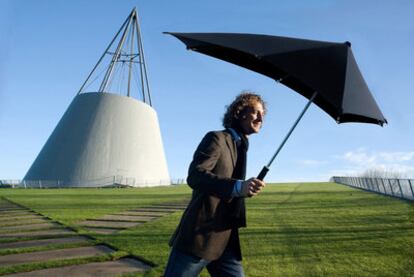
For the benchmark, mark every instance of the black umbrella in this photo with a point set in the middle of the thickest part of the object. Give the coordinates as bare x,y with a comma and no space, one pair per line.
324,72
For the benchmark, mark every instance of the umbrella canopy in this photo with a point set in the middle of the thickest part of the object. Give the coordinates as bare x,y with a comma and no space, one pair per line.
306,66
324,72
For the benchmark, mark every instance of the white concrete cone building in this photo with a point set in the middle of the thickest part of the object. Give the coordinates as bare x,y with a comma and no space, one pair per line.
107,138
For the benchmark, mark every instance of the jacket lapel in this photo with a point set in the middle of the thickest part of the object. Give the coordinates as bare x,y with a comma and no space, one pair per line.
232,147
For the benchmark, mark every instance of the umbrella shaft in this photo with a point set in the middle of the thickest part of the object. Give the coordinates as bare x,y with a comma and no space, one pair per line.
292,128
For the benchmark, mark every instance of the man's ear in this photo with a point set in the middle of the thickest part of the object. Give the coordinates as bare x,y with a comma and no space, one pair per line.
239,115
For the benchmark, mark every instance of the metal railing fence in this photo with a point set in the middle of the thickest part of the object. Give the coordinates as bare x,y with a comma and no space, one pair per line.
401,188
111,181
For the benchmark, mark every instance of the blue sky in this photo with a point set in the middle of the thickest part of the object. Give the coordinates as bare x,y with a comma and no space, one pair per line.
49,47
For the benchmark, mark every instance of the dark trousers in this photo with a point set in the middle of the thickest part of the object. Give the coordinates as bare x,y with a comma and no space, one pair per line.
184,265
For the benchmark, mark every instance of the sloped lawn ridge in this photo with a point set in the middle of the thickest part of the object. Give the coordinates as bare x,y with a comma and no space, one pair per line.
306,229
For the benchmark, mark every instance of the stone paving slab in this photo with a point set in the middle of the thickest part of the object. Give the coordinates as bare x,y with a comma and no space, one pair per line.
6,208
167,206
110,224
136,218
98,269
40,233
154,209
4,203
42,242
142,213
51,255
163,206
28,221
171,208
15,213
20,217
177,206
103,231
176,202
46,225
12,208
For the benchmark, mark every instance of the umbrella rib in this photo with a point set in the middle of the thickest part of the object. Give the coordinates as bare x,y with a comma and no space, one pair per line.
300,50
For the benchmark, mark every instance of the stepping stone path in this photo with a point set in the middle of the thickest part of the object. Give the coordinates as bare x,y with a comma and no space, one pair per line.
101,269
51,255
116,222
29,237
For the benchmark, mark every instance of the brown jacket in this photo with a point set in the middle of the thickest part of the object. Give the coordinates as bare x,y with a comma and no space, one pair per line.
211,215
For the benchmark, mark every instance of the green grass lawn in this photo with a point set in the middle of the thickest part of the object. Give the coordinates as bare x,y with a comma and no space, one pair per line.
319,229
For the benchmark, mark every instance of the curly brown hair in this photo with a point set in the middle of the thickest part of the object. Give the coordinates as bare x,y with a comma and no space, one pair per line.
238,106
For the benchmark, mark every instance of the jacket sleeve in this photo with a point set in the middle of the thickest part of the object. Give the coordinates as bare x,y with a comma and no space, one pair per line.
201,174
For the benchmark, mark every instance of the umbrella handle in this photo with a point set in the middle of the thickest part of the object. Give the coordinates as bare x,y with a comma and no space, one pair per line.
263,173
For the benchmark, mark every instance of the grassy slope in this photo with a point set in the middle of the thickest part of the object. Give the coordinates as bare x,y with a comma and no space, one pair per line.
328,230
317,229
72,205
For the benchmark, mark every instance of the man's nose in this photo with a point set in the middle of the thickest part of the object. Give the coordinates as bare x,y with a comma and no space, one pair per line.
259,116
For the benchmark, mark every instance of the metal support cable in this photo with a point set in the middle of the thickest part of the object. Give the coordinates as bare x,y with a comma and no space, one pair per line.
115,57
142,59
126,47
105,52
131,59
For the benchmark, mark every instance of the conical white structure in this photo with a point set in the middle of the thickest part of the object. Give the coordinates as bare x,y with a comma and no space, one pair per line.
105,139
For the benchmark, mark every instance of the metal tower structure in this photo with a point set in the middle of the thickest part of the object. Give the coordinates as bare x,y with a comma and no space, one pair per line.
106,136
126,55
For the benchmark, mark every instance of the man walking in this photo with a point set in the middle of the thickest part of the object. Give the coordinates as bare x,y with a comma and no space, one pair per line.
207,235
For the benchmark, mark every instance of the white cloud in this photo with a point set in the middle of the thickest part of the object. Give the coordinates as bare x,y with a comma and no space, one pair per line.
312,162
397,156
360,157
357,162
360,160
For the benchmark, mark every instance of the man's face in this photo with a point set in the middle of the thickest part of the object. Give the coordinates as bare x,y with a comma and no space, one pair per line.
252,119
